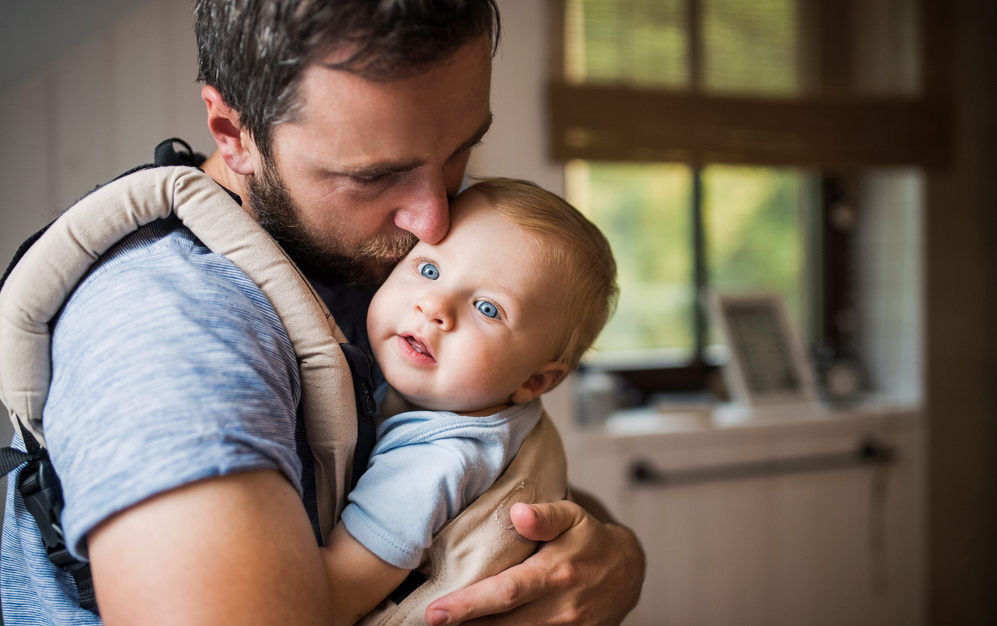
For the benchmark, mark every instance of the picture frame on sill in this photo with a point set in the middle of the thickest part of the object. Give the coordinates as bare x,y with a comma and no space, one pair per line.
766,363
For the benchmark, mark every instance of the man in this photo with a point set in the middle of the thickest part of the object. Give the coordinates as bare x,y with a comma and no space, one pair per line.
344,127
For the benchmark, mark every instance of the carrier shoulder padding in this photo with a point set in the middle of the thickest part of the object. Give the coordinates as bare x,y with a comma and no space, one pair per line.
481,541
51,269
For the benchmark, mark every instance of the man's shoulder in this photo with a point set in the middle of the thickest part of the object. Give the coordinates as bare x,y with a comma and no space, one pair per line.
164,260
154,246
161,291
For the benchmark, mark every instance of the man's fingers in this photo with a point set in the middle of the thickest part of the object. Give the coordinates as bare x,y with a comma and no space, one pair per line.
545,522
500,593
535,590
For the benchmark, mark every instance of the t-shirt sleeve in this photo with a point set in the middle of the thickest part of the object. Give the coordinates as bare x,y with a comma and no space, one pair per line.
425,468
168,368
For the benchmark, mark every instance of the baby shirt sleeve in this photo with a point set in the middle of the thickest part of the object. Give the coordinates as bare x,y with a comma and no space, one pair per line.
425,468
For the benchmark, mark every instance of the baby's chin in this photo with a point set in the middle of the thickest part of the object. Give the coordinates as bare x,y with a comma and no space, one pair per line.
415,401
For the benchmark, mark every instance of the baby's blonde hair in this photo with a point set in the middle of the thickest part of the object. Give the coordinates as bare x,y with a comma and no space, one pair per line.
572,248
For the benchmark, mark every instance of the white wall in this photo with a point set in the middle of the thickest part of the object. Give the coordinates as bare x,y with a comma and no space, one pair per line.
517,143
95,112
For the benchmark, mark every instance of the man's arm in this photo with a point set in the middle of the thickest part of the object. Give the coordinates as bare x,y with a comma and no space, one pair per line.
589,572
236,549
239,549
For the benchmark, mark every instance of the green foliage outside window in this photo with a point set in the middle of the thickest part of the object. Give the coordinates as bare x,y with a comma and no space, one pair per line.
753,226
643,210
755,222
752,218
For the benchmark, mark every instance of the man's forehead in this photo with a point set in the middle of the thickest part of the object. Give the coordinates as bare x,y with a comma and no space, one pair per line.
445,104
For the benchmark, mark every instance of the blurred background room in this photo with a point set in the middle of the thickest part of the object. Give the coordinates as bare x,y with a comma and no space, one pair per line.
795,406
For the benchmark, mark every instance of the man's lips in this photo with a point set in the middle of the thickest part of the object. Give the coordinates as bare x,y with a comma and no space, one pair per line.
416,349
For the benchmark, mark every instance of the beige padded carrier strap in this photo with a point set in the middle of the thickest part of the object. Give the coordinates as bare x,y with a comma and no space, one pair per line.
50,270
481,541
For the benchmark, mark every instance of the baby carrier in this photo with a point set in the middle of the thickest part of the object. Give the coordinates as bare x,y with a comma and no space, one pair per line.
335,393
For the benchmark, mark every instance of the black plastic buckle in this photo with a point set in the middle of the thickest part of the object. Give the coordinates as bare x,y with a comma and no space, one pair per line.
42,493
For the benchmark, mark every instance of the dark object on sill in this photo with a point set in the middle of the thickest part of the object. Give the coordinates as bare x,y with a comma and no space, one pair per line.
841,375
696,376
868,452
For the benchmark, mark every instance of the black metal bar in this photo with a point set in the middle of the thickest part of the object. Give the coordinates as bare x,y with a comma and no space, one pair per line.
700,271
868,452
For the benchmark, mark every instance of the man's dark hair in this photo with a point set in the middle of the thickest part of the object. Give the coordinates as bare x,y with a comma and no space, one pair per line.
254,51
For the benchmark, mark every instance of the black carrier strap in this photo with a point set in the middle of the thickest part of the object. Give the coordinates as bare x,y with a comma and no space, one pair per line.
363,391
38,482
42,494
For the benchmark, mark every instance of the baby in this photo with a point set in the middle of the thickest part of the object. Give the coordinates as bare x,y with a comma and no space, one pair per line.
469,332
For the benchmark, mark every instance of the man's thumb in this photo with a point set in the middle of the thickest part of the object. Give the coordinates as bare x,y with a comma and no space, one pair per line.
544,522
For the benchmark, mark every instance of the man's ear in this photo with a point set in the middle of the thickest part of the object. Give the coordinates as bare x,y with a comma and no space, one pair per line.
234,143
540,381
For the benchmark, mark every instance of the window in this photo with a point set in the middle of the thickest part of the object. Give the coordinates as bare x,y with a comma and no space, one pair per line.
701,136
754,223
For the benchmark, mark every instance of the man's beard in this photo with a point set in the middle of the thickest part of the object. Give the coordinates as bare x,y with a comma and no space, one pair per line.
279,215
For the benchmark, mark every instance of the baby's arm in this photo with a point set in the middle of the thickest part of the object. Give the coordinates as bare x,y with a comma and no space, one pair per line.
358,578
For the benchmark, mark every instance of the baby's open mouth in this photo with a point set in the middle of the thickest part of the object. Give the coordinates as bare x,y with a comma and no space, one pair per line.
418,346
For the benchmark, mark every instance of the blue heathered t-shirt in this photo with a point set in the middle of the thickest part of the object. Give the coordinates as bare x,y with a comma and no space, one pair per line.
169,366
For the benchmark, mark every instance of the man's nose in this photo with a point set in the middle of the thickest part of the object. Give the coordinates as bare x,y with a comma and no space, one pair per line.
437,309
426,213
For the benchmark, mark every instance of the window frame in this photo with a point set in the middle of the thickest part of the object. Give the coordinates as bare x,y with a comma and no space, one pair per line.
829,130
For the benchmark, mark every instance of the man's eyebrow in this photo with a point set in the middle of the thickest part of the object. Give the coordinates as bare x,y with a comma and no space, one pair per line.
381,169
476,138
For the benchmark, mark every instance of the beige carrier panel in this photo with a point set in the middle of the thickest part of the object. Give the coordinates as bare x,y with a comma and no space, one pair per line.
481,541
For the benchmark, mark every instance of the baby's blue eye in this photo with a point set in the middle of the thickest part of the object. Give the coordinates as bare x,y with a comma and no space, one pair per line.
487,308
429,270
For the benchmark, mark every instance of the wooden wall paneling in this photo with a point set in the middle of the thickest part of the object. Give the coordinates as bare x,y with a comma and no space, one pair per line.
739,554
821,548
669,522
797,514
906,542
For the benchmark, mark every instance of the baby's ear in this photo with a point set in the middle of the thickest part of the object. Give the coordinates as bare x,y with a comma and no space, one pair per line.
540,381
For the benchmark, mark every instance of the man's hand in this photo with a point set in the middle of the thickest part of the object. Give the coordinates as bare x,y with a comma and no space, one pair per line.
587,573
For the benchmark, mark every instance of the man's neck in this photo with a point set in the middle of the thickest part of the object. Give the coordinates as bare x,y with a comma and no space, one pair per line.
216,168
